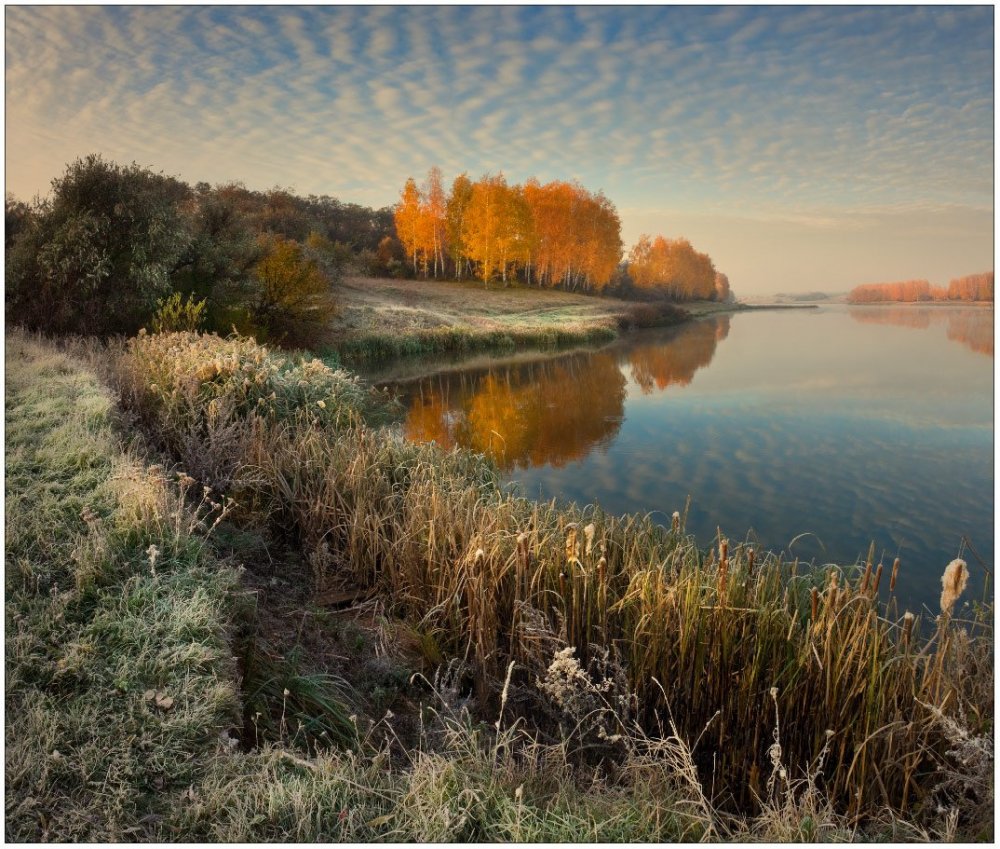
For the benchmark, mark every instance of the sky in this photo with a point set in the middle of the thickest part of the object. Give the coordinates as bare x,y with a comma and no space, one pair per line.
803,148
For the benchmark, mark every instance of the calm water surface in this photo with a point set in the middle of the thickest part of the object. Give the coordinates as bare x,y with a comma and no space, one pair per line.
846,424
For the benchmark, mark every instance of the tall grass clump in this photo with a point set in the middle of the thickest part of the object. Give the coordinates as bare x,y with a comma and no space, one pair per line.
729,646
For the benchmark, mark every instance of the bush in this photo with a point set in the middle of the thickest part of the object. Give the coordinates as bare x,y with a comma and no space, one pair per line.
654,314
97,256
290,303
175,314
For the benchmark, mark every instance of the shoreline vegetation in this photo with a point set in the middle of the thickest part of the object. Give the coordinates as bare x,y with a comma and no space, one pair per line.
267,616
381,320
973,288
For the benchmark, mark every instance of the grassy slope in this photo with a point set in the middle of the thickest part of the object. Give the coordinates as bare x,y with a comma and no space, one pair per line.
382,318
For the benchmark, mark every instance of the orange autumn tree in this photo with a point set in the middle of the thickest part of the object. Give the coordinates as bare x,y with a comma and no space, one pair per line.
974,287
558,234
456,207
674,267
432,227
408,220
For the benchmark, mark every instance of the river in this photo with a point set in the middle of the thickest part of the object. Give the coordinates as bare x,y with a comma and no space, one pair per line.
812,432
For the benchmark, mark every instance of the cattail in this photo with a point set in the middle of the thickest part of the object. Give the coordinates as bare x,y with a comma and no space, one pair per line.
522,548
953,581
867,577
895,572
588,535
815,603
571,543
675,522
878,579
562,583
602,565
833,592
750,556
907,626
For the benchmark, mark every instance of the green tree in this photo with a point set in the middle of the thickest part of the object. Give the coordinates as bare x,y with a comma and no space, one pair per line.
99,253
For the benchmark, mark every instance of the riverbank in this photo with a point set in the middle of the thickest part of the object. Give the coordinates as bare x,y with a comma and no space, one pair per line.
504,667
382,319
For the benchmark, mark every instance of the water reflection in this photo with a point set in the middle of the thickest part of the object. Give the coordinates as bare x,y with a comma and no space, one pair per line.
547,412
556,410
970,326
783,422
662,363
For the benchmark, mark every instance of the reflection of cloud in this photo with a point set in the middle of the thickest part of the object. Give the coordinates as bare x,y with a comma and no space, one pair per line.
783,473
971,326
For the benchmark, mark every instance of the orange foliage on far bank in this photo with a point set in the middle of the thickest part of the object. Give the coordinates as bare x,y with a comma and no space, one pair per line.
975,287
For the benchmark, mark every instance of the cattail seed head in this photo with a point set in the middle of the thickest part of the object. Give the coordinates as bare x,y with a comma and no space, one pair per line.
953,582
675,522
602,566
907,626
815,603
750,556
588,535
571,547
895,572
878,579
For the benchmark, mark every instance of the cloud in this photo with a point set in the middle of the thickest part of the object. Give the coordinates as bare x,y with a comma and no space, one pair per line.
698,108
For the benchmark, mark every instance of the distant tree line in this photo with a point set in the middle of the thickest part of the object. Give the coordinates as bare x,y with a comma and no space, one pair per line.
112,244
554,235
114,248
974,287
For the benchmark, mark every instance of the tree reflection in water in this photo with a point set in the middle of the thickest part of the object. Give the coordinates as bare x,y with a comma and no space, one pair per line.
970,326
557,410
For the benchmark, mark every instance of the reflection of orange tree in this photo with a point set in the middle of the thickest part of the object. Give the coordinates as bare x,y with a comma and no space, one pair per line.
974,330
896,316
973,327
661,364
550,412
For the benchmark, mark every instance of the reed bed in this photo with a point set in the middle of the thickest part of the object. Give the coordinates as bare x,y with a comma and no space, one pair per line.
777,672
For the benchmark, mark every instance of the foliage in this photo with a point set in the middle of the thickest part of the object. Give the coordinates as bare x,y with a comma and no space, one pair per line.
220,255
907,290
676,268
974,287
99,253
290,302
176,314
558,234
